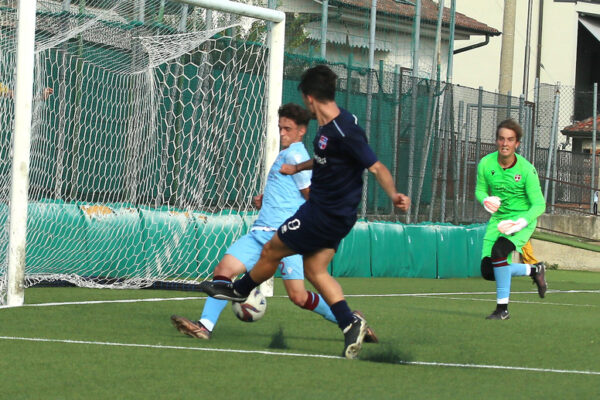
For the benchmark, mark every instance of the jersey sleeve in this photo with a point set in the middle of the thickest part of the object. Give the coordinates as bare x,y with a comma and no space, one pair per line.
301,179
481,188
356,145
533,191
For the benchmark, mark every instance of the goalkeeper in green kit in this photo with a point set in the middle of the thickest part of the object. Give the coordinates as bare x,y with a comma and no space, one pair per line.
508,187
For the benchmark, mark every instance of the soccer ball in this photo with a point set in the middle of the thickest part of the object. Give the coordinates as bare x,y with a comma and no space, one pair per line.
252,309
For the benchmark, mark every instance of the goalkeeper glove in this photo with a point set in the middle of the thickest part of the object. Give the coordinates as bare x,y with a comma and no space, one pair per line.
508,227
491,204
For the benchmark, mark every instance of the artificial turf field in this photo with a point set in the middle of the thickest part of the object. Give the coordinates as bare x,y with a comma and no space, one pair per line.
435,344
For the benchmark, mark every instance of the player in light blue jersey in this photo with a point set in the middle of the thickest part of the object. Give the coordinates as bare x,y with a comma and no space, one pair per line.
282,196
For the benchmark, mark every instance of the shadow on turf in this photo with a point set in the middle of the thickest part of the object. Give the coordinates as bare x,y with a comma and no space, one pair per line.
278,340
381,353
385,353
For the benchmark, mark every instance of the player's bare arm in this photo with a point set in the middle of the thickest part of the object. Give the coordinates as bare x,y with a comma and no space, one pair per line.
305,193
384,177
291,169
6,92
257,200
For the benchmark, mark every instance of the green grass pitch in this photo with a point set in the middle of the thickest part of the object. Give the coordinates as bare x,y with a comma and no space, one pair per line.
435,344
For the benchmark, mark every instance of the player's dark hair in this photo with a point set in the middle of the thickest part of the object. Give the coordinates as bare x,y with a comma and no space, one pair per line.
293,111
319,82
513,126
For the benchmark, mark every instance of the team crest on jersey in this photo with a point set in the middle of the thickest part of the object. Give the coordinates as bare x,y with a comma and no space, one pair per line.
517,177
493,172
323,142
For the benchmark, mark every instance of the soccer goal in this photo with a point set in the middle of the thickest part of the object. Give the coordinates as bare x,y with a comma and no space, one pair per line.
134,134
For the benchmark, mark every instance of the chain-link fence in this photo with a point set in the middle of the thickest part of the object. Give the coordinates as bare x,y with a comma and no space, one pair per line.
564,147
431,135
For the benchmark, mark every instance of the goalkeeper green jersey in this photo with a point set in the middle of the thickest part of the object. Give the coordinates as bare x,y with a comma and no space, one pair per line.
518,188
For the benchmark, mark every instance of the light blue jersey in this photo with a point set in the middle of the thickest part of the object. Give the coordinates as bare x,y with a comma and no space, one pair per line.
282,195
281,198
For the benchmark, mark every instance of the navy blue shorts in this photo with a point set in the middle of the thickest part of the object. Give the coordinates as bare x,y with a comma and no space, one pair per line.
310,229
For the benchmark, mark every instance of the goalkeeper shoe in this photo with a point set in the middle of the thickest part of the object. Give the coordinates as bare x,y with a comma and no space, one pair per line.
222,291
354,335
187,327
370,336
539,278
499,314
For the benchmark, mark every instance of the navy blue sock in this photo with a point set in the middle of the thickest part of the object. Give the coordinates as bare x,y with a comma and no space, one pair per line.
342,313
244,285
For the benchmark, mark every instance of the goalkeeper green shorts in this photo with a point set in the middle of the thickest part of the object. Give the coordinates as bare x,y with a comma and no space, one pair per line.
492,234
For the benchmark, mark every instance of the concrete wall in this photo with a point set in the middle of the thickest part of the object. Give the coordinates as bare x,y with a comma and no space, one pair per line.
585,226
566,257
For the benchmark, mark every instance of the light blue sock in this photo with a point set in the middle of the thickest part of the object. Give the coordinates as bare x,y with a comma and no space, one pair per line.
316,303
517,269
211,311
323,309
502,275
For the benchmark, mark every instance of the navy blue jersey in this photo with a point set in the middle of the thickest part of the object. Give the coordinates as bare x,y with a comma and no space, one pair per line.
341,156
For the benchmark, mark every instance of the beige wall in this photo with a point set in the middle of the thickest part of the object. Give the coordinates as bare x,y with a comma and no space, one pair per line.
480,67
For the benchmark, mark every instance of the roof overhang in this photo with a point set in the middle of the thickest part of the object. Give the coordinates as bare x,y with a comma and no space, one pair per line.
592,25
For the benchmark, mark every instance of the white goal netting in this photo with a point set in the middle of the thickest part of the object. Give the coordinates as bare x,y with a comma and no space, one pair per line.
147,139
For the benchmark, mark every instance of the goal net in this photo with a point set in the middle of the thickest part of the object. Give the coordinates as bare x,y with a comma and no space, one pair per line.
149,135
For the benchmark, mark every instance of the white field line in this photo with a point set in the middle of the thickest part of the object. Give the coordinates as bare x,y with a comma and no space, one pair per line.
282,354
545,303
442,294
111,301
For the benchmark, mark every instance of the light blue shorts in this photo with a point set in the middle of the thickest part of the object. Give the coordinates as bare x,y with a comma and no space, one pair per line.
247,249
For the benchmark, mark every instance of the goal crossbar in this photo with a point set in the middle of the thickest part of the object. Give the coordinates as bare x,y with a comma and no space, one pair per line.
246,10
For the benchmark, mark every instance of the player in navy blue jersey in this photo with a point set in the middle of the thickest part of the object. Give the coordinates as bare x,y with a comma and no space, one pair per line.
317,228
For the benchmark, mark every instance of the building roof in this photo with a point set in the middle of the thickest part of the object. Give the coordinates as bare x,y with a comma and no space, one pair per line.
429,13
583,128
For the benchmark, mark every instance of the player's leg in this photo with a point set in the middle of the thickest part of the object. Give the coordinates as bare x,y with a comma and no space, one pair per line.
352,324
228,268
243,252
292,274
502,275
307,300
530,266
489,238
504,271
315,270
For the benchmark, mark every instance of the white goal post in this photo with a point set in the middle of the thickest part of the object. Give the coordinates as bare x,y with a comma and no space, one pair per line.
276,44
20,161
129,171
